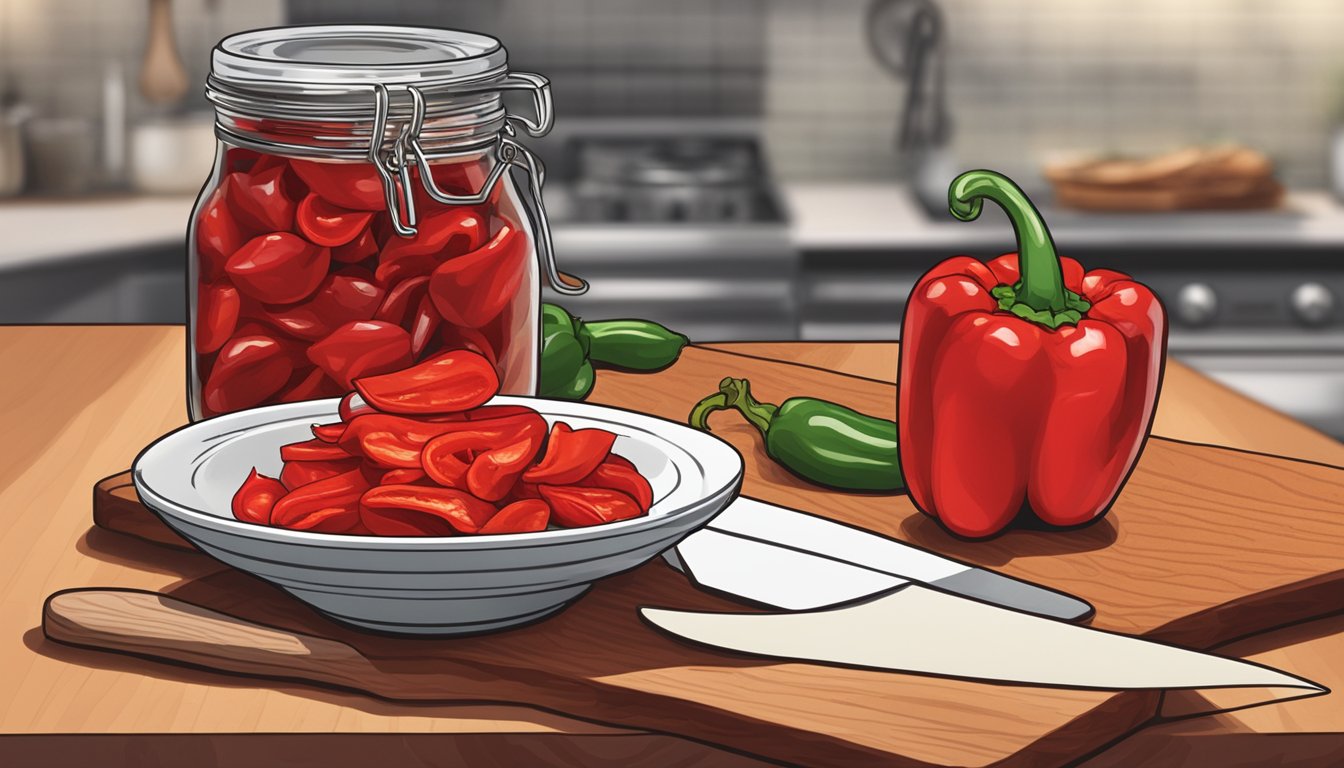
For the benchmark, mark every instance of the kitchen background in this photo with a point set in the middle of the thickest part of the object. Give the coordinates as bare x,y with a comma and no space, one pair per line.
764,169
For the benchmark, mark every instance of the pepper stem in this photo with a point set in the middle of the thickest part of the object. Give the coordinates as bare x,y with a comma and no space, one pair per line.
1040,294
733,394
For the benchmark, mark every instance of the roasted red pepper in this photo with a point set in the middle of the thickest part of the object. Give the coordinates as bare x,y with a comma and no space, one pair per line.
392,441
450,458
361,348
578,507
324,223
329,505
411,510
217,308
571,455
618,474
260,198
473,289
278,268
300,473
255,498
522,516
443,236
1023,382
454,381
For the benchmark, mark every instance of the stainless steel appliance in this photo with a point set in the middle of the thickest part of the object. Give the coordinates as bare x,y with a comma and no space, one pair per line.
674,221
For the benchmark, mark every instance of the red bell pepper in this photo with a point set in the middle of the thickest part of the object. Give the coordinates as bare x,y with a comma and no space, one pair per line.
1024,382
340,299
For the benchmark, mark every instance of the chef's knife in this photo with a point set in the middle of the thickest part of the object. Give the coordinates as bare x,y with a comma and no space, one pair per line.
910,628
879,563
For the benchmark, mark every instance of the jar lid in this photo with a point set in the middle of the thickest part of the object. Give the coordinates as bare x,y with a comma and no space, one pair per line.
336,55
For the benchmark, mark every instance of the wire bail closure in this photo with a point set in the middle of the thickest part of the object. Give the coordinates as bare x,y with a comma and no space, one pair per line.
394,167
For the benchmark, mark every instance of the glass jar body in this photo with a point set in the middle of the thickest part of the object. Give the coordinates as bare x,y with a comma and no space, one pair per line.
298,282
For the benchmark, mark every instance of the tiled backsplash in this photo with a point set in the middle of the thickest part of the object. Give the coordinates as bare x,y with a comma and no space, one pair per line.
1026,79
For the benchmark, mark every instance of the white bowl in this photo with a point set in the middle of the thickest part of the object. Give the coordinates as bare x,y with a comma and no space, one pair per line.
431,585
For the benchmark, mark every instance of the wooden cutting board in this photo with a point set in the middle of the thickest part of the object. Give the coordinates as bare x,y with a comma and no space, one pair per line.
1205,544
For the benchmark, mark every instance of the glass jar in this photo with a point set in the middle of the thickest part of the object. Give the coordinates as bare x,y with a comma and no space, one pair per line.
361,215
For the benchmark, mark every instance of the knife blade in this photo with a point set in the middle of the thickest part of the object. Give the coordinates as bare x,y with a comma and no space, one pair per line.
923,631
876,563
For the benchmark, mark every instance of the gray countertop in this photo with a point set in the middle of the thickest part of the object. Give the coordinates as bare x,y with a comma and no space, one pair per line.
824,216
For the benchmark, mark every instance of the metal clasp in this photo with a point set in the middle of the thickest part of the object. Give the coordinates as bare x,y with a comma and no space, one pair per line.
394,168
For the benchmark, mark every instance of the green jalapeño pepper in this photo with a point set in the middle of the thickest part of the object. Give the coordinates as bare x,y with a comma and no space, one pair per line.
571,349
820,441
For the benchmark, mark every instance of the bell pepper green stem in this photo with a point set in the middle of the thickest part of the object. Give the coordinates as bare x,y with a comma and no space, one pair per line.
1040,294
733,394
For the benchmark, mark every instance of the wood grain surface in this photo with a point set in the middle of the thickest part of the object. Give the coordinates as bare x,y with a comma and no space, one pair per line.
97,395
1157,567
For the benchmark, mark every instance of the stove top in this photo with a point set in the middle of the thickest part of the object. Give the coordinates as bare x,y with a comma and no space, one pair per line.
693,179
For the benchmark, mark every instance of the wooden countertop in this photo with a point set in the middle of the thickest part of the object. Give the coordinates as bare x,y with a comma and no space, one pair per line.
81,401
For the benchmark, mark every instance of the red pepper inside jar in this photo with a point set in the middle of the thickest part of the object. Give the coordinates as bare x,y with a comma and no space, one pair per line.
360,217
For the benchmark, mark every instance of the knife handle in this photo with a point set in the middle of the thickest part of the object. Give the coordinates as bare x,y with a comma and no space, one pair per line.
167,629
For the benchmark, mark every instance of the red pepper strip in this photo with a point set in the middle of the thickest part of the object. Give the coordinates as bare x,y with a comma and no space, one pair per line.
364,245
326,224
522,491
447,458
217,236
260,199
494,471
473,289
523,516
217,309
339,299
353,405
249,369
328,433
279,268
497,412
400,509
314,385
400,299
392,441
571,455
329,505
623,478
300,473
354,186
361,348
471,340
254,499
578,507
265,163
423,326
402,476
237,159
440,236
313,450
454,381
1037,391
